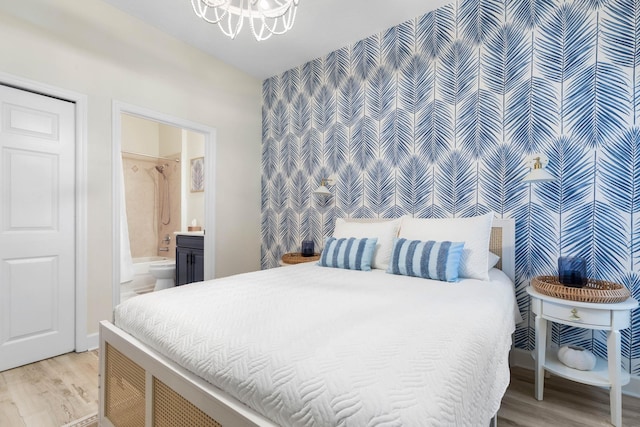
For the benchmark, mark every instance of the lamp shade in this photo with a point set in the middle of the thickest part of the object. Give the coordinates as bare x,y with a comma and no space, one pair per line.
322,191
538,175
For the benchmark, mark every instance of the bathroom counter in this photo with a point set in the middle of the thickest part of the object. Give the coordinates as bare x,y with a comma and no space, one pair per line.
189,233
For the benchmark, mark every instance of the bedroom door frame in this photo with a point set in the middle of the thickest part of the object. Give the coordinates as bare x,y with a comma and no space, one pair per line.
80,102
209,133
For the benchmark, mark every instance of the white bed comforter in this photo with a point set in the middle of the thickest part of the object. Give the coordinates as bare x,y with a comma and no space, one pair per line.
314,346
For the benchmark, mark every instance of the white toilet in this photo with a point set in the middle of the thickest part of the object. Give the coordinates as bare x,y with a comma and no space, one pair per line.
164,272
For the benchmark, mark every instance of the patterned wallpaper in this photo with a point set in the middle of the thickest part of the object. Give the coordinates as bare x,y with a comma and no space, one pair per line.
434,118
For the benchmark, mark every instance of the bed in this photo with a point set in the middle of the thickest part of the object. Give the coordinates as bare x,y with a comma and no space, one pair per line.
310,345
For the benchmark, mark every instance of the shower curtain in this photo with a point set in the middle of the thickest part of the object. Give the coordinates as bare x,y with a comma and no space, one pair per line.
126,262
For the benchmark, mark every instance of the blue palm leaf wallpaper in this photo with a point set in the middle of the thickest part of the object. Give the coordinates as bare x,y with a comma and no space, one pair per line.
300,115
571,165
531,13
311,76
290,84
597,103
433,131
415,85
350,101
455,186
565,42
500,180
505,63
532,114
363,148
478,19
457,72
289,155
380,94
336,147
436,30
396,45
435,118
480,125
414,185
365,56
396,141
337,67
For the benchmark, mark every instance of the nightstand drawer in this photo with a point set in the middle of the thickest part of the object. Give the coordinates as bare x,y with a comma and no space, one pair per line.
578,315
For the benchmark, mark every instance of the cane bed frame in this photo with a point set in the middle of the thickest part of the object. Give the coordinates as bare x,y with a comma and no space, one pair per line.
141,388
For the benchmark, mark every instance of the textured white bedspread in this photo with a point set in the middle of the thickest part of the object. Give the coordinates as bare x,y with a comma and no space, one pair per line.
315,346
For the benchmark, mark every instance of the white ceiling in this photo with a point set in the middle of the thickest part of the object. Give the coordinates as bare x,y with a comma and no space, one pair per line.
321,26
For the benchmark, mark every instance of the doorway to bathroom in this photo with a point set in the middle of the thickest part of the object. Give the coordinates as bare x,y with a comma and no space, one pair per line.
164,181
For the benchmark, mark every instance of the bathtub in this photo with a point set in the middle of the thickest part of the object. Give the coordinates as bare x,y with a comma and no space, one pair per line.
141,265
143,281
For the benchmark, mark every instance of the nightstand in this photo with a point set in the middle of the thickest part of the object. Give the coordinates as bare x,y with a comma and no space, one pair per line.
609,317
292,258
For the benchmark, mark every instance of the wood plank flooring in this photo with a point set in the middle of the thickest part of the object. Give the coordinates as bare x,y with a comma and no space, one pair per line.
52,392
566,403
57,391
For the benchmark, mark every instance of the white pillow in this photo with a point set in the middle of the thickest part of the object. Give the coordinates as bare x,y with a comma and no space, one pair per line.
385,231
493,260
475,232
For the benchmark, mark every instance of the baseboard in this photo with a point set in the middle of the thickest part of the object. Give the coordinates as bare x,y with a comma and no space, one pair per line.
93,341
523,359
633,388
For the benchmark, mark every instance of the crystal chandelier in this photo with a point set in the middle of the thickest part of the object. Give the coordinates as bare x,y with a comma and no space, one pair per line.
266,17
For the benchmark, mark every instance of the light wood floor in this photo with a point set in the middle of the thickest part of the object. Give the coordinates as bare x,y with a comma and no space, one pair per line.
56,391
566,403
51,392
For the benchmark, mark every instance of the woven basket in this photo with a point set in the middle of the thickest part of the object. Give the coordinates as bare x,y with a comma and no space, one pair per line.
600,291
297,258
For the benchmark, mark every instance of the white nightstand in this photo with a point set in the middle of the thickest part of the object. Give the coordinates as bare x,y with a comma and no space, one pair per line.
608,317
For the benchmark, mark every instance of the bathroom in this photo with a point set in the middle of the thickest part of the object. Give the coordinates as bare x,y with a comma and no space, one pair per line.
159,162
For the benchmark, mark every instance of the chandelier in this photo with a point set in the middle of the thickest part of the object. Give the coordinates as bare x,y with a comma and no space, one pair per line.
266,17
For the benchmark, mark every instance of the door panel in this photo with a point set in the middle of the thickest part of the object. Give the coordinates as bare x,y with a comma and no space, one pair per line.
28,277
198,265
37,227
34,209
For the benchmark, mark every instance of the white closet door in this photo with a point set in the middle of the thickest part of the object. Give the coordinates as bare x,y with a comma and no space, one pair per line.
37,216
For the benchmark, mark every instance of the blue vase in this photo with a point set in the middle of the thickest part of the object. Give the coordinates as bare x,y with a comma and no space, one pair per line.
307,248
572,271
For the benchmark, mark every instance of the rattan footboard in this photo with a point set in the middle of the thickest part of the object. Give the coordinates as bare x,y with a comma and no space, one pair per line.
124,389
140,388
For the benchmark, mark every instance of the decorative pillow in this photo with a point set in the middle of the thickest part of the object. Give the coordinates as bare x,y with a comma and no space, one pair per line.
429,260
493,260
475,232
349,253
385,231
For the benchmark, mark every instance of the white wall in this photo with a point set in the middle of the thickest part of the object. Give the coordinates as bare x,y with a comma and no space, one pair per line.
140,136
170,141
92,48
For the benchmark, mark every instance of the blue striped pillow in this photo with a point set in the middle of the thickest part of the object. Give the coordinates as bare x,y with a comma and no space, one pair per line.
429,260
349,253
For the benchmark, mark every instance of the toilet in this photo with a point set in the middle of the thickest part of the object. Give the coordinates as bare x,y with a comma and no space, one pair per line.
164,272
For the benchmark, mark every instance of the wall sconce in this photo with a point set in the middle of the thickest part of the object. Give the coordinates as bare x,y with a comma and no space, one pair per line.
538,173
323,190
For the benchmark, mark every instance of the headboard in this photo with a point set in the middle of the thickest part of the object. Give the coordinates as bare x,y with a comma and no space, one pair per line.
502,242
